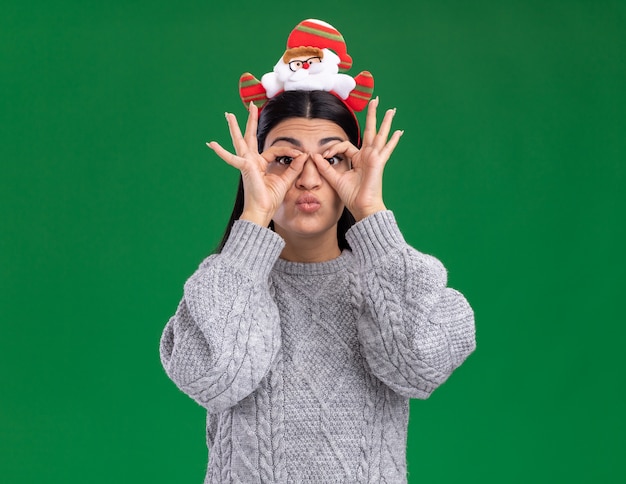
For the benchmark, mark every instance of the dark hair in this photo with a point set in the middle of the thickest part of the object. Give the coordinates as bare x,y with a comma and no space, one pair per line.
309,105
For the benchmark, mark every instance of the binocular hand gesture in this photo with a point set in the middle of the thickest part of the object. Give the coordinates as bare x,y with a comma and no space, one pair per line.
361,188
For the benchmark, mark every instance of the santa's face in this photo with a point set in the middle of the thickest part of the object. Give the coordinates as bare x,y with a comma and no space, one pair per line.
301,69
297,64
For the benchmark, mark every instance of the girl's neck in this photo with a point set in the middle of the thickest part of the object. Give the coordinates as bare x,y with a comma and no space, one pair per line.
310,249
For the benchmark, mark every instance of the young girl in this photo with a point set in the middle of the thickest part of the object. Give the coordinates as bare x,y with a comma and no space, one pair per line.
308,331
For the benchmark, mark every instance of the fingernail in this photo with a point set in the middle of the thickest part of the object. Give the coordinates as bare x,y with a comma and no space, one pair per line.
325,153
401,132
394,111
226,114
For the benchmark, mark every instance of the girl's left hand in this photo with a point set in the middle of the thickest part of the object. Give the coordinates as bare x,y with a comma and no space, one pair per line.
361,188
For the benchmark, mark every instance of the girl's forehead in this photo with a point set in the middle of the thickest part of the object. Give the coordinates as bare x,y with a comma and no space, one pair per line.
305,131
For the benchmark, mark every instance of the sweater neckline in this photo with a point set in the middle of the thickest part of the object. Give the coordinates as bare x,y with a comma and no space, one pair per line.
314,268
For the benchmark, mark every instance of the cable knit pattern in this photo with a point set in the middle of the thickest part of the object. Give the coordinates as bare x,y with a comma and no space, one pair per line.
406,342
306,369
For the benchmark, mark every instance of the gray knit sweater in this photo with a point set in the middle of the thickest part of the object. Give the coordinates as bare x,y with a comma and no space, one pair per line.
306,370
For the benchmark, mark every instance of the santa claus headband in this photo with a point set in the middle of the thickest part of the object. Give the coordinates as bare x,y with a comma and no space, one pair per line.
316,59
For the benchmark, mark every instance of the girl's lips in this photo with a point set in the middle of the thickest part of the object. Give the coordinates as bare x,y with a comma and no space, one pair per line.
308,203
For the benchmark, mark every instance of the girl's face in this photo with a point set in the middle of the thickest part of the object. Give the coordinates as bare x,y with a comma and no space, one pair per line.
311,208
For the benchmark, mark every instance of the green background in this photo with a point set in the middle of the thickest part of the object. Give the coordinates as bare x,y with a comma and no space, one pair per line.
511,171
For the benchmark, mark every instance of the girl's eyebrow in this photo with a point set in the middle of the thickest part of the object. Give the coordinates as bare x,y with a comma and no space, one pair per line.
292,141
323,141
297,143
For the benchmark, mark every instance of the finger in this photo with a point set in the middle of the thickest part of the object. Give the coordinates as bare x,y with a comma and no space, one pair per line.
328,172
385,128
226,155
391,144
370,123
343,147
347,149
251,126
294,169
235,133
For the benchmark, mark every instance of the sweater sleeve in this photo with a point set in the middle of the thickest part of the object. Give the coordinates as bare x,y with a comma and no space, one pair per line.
414,331
225,333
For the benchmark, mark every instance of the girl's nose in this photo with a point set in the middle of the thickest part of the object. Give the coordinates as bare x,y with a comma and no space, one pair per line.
309,177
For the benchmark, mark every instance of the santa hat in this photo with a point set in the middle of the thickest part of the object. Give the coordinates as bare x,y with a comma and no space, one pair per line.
316,33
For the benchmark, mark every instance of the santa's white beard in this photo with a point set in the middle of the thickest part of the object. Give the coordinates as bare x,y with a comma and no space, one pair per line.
319,76
297,76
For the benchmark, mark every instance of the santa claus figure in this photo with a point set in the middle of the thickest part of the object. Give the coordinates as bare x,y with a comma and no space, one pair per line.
316,53
308,69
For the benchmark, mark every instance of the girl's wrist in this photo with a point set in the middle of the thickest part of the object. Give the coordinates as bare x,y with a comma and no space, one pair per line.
360,214
256,217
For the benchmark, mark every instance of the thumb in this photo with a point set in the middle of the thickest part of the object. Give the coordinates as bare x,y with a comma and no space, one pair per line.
326,170
294,169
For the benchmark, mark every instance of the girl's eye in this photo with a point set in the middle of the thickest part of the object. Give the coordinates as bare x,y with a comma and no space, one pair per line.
334,160
284,160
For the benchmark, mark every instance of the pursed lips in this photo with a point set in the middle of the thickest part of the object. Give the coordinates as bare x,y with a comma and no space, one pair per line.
308,203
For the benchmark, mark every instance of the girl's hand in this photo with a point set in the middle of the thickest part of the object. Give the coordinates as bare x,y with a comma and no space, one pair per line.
361,188
263,192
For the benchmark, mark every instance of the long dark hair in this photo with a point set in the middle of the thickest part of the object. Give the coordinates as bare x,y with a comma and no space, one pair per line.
301,104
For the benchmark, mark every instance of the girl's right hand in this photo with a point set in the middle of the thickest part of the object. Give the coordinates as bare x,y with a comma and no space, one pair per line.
263,192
